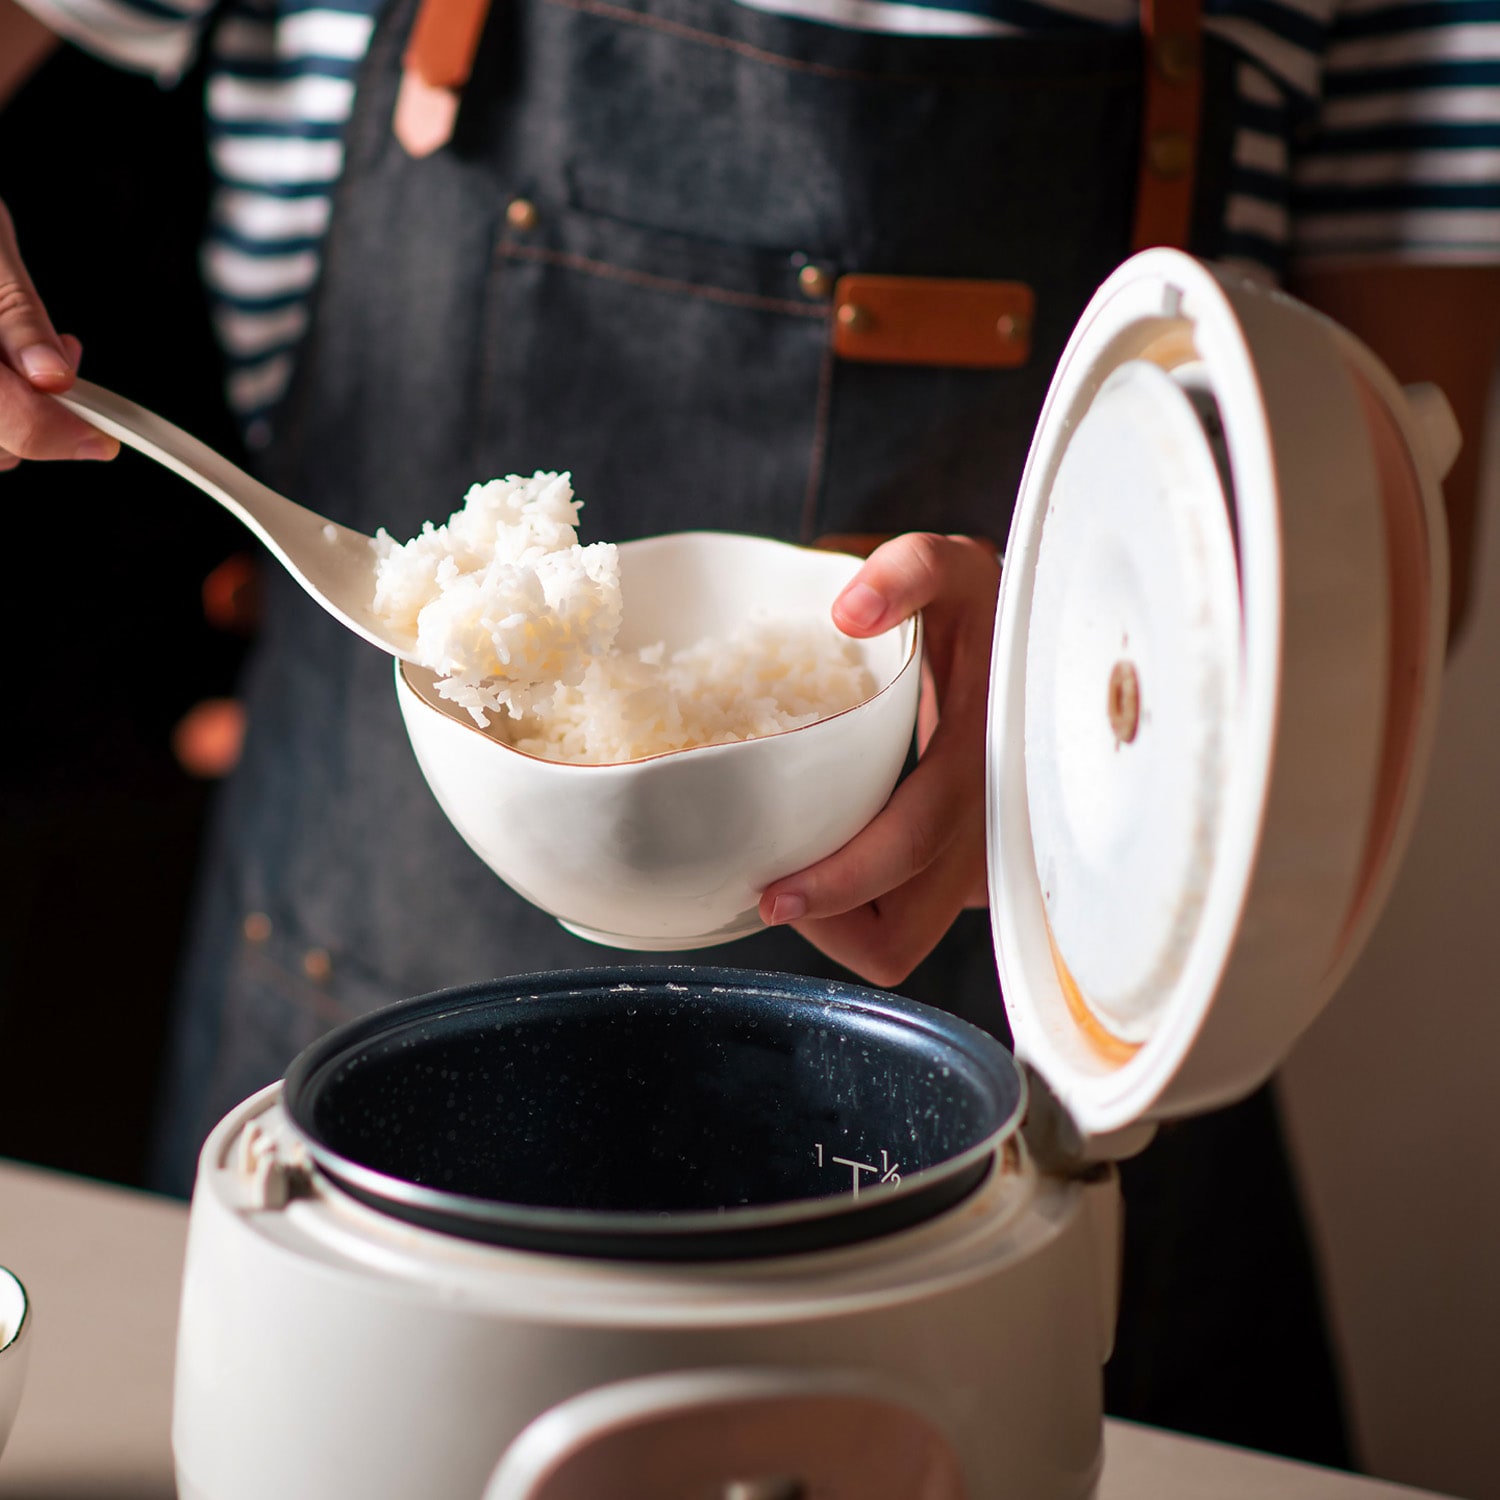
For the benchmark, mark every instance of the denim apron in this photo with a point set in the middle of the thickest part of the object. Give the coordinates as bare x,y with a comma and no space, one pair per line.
618,266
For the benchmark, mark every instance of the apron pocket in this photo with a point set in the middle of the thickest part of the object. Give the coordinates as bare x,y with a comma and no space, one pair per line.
682,381
912,448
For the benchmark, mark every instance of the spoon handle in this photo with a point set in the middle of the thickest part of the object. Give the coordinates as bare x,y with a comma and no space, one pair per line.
334,563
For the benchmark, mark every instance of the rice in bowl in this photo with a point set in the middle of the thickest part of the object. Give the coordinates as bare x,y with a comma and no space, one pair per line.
518,620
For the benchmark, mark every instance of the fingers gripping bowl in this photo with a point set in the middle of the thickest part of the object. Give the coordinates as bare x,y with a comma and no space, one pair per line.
673,851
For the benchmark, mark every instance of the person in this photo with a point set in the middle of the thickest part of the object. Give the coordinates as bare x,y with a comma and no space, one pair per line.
622,248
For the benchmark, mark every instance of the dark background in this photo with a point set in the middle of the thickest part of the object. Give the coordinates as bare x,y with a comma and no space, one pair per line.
101,611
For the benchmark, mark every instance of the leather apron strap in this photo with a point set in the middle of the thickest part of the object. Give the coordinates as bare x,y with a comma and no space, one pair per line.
1172,102
435,68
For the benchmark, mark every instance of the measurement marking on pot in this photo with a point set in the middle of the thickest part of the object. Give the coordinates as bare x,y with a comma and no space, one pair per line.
887,1172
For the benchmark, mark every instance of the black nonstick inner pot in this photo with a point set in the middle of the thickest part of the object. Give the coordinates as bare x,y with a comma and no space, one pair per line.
672,1113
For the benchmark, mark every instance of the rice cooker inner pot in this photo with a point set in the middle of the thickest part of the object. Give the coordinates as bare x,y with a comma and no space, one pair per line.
672,1113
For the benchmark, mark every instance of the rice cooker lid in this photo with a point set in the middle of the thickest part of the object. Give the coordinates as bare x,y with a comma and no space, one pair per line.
1216,667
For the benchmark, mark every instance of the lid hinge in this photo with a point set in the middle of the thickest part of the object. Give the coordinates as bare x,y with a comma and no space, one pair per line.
1059,1147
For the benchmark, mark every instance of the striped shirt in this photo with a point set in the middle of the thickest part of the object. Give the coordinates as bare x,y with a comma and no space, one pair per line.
1363,129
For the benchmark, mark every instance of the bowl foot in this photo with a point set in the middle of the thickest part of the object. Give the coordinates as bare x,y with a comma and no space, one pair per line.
742,926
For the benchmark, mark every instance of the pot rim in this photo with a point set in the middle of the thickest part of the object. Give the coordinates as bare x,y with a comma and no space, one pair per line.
838,1218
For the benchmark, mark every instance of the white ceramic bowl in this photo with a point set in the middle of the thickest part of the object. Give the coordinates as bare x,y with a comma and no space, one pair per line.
15,1343
673,852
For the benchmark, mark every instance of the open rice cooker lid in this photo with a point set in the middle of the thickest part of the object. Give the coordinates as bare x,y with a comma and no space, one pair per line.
1216,667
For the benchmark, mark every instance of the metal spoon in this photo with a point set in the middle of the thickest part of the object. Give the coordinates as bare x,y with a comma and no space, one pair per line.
333,563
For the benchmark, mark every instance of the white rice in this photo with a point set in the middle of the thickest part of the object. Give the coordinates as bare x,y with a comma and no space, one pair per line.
513,614
775,674
504,603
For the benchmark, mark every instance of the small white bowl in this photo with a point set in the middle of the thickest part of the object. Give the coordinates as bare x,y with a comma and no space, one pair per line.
15,1344
673,852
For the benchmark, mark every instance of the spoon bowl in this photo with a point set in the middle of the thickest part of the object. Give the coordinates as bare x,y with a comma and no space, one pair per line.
335,564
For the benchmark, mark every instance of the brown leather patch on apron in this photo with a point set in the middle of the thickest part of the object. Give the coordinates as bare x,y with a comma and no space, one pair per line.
917,320
1171,31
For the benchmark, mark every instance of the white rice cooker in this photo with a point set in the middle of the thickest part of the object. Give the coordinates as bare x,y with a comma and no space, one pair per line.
698,1234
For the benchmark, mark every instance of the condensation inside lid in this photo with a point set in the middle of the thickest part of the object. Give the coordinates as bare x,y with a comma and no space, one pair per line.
1133,665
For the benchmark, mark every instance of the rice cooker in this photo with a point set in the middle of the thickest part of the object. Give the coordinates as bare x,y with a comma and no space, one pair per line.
704,1234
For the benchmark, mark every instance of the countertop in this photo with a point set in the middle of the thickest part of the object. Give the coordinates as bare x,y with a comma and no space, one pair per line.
102,1265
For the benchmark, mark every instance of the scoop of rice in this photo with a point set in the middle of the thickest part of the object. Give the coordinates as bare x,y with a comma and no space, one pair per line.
503,601
513,614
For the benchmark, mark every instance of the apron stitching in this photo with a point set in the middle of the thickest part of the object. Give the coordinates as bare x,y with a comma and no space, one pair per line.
652,283
819,444
707,38
677,29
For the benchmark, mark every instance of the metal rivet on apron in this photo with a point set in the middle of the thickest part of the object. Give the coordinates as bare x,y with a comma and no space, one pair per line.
1169,153
316,964
1012,326
520,213
854,318
257,927
814,281
1176,55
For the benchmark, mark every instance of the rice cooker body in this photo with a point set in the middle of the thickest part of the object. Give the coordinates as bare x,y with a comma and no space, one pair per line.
1212,698
327,1348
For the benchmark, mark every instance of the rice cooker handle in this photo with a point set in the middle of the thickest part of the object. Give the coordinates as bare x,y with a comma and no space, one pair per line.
1437,424
733,1434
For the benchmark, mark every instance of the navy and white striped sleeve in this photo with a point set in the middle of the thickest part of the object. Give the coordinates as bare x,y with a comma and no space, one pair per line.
1257,208
158,37
1403,162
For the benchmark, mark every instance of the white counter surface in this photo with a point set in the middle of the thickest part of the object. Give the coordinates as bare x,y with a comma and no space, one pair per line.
102,1266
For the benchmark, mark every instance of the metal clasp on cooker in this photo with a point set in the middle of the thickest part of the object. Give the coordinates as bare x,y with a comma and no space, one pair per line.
268,1165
